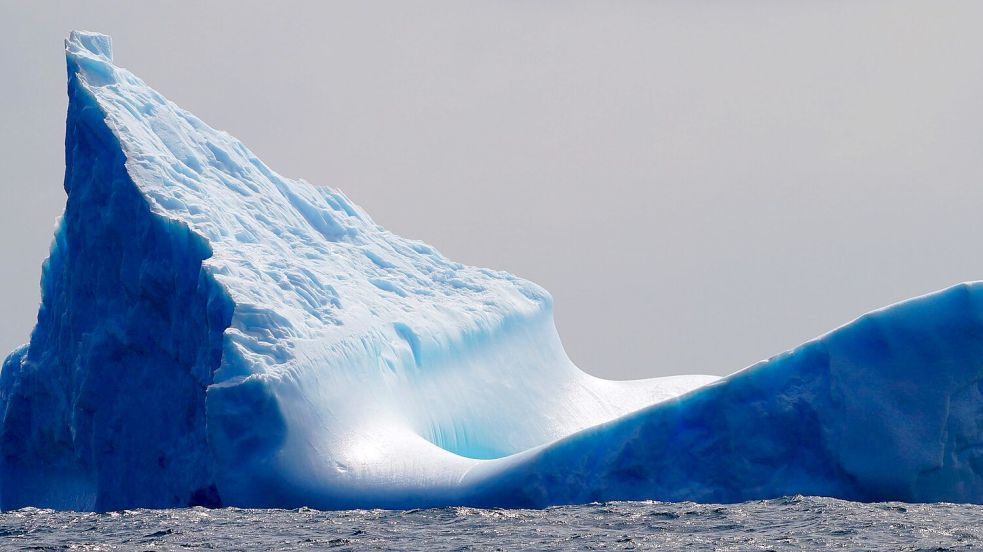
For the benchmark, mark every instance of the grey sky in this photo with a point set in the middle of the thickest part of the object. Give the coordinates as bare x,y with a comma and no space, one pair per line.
699,184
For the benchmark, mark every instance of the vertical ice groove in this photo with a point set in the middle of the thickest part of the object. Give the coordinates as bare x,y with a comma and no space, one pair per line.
128,336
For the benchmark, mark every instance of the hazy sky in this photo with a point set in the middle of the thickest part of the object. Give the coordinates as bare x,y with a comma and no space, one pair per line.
699,184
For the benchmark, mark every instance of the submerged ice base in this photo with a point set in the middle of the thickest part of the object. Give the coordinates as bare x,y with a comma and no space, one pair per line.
212,333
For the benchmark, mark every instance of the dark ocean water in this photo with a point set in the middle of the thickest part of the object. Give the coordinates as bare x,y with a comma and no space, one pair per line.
796,523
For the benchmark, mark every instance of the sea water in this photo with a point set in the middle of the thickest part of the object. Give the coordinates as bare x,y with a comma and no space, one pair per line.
792,523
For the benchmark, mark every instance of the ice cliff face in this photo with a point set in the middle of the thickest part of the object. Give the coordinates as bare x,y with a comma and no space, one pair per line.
213,333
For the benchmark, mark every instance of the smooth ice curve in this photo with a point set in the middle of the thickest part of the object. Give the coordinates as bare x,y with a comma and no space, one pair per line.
212,333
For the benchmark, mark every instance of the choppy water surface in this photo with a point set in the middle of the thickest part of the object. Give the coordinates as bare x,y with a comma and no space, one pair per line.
783,524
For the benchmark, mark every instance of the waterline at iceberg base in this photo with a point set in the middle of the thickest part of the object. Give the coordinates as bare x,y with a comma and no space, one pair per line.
212,333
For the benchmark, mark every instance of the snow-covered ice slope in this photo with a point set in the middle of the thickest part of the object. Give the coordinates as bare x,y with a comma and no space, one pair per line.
213,333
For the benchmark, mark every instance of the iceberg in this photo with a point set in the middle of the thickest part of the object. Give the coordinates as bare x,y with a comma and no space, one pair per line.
212,333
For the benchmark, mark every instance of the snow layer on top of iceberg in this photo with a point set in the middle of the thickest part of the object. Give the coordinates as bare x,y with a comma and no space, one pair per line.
214,333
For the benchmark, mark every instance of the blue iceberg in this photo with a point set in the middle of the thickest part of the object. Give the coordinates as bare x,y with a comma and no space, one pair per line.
212,333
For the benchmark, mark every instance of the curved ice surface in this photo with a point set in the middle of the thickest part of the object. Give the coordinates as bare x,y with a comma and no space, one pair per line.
214,333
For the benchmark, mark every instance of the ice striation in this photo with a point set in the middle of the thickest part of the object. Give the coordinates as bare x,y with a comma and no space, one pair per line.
212,333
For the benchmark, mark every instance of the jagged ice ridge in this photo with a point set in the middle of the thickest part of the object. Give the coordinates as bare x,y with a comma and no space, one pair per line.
212,333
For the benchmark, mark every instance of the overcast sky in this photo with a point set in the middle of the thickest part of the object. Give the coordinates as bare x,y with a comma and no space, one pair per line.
700,185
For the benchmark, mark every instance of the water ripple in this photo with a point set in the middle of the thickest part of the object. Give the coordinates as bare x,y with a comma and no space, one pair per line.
790,523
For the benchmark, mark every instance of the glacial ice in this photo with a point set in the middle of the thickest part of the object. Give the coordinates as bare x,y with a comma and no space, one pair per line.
212,333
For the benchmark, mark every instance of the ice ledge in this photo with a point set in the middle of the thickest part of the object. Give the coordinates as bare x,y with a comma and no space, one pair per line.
91,44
